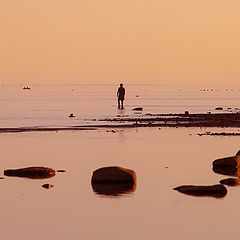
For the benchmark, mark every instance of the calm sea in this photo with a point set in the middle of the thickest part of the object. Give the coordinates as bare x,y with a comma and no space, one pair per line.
162,158
51,105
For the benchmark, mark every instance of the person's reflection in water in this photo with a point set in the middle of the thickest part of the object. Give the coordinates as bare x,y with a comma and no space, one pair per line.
121,96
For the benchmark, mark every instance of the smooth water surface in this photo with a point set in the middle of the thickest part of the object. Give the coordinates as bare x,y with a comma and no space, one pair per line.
51,105
162,160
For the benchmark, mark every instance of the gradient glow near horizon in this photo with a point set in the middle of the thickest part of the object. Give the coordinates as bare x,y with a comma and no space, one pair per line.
107,41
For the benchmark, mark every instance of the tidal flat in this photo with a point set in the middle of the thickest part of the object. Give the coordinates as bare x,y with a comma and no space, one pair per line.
72,209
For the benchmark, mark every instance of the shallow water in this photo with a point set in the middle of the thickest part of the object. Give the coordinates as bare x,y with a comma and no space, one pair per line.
51,105
162,159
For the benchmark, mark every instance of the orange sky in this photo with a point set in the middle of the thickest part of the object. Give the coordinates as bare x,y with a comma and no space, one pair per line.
107,41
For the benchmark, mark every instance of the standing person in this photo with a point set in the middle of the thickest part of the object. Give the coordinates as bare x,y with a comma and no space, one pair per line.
121,95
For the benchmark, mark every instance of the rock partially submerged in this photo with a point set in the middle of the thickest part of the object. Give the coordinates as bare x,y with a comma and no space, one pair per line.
138,109
230,181
219,108
31,172
227,166
71,115
47,186
228,162
114,175
217,191
238,153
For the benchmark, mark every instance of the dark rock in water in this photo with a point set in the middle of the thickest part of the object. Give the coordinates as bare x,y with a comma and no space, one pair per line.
61,170
218,108
138,109
114,175
231,181
47,186
114,190
31,172
238,153
71,115
227,166
228,162
230,171
218,190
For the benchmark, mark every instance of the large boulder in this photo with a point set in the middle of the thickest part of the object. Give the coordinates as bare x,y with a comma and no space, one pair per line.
31,172
227,166
218,190
113,175
227,162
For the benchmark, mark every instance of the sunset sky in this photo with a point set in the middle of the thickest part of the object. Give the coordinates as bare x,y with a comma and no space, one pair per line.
107,41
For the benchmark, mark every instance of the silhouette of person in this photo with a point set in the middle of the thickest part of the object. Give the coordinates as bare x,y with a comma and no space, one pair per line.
121,96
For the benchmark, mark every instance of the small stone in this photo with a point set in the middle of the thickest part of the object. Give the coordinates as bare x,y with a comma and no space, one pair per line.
71,115
47,186
61,170
138,109
218,108
230,181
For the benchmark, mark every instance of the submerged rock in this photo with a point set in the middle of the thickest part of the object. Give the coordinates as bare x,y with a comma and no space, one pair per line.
47,186
31,172
218,190
231,181
114,175
138,109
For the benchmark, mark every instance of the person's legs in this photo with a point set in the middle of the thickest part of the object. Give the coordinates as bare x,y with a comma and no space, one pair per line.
121,104
118,103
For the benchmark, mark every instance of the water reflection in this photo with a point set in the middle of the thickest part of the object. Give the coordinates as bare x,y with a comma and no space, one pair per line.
114,190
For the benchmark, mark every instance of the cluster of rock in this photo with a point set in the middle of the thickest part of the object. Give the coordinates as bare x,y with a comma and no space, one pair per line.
111,181
227,166
33,173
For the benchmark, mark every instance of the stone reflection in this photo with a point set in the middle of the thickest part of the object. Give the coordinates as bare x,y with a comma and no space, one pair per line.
113,181
113,190
31,172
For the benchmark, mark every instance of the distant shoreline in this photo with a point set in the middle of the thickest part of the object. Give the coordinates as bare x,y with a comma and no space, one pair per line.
218,120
